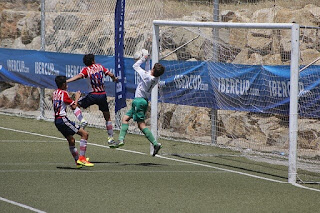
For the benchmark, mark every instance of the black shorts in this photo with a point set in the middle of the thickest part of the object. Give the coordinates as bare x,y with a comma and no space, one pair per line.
95,98
66,127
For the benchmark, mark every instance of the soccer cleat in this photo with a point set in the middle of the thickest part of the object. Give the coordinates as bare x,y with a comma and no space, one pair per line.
110,140
83,161
117,144
156,149
83,123
78,165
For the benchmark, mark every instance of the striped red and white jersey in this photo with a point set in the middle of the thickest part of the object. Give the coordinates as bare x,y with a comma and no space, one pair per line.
60,100
94,74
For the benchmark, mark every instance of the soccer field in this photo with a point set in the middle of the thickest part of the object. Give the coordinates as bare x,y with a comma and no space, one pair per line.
38,174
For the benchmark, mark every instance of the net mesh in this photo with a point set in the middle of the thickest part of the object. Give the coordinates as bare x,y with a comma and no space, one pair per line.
83,26
266,133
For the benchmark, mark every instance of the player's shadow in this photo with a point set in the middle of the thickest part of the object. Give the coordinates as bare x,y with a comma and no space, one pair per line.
94,162
70,168
104,162
128,164
108,162
142,164
230,166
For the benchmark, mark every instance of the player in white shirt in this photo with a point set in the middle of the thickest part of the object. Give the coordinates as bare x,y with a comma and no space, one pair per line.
149,78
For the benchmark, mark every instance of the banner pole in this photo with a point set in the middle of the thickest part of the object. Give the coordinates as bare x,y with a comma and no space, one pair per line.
42,48
120,86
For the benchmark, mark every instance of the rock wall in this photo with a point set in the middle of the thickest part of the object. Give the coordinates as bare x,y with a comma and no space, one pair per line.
73,32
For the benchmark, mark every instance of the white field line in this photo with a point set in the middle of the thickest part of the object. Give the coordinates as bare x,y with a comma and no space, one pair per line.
28,141
104,171
304,187
173,159
21,205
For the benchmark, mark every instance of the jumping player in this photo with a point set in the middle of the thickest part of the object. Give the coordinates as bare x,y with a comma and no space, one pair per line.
61,100
140,103
94,73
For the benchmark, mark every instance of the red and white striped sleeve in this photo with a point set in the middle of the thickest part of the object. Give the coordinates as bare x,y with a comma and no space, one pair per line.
67,99
105,70
84,72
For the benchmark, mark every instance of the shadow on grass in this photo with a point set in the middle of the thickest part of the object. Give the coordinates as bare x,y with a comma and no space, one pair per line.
231,166
69,167
119,164
94,162
142,164
127,164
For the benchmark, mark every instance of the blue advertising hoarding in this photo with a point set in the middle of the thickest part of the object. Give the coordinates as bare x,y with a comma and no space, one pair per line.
252,88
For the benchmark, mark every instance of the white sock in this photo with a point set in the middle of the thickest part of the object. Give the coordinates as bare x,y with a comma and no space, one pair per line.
83,147
74,152
77,112
109,128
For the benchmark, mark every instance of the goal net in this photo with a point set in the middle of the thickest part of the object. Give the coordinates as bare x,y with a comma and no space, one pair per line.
236,86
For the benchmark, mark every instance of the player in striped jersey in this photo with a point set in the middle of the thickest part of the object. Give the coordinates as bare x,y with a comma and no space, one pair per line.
94,73
60,100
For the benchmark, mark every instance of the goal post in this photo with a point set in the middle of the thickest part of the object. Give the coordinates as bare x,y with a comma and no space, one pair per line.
294,75
154,92
293,115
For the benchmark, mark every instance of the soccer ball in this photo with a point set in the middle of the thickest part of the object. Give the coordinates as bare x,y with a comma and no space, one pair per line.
144,52
137,55
141,53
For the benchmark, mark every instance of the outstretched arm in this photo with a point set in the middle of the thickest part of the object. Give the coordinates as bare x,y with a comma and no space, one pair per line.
74,78
114,78
137,66
75,103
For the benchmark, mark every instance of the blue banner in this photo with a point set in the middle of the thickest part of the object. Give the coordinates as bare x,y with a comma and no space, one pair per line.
251,88
120,96
39,68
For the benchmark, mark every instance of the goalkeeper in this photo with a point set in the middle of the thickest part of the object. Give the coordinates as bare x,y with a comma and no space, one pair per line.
138,111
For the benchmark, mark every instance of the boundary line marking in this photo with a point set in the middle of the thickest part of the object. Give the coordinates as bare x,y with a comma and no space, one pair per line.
173,159
27,141
105,171
21,205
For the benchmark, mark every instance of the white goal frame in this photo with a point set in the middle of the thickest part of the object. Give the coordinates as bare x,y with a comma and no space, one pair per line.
294,76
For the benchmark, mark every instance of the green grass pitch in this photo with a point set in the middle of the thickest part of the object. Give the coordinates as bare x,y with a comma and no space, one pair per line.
38,174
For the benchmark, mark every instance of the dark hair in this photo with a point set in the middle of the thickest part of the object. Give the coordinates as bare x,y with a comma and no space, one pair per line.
60,80
158,69
88,59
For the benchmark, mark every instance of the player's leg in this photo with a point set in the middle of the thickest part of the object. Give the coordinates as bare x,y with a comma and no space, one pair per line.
83,102
140,108
125,125
123,131
73,149
78,113
68,129
156,146
109,126
142,126
83,148
101,101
